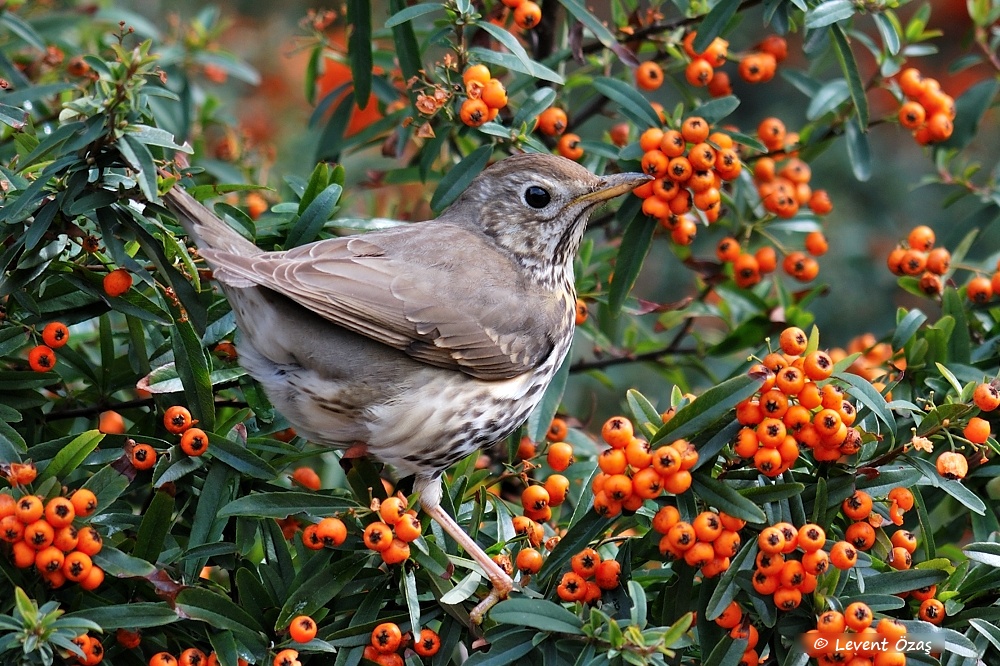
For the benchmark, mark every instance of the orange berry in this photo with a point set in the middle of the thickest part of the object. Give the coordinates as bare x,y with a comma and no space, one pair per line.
843,555
552,121
167,659
952,465
192,657
41,358
332,532
494,95
93,579
649,76
143,456
84,502
977,430
585,562
699,73
177,419
286,657
979,290
931,610
607,574
408,529
117,282
89,541
428,643
527,15
194,442
307,478
378,536
59,512
478,73
386,637
720,85
76,566
474,112
569,146
986,397
559,456
55,334
302,629
695,129
529,561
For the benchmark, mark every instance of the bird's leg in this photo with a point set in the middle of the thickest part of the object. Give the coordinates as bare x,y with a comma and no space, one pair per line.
430,501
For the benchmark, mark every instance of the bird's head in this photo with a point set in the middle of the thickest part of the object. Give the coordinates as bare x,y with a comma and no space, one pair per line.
536,207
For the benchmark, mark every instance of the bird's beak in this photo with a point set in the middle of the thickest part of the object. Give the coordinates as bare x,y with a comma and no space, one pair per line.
612,186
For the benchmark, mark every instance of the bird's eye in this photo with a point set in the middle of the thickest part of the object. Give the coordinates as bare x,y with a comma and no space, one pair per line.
537,197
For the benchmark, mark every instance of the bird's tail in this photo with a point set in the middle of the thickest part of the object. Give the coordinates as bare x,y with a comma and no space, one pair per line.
208,231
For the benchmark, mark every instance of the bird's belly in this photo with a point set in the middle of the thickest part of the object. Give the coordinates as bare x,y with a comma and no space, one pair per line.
427,420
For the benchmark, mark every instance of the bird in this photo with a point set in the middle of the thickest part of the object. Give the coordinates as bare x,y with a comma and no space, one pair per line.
425,341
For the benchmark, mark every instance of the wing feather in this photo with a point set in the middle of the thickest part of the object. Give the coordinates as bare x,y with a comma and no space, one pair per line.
492,327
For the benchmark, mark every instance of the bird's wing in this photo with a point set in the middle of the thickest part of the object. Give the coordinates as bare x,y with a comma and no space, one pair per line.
453,303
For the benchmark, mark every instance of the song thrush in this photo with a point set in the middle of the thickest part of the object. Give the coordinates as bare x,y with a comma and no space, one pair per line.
425,341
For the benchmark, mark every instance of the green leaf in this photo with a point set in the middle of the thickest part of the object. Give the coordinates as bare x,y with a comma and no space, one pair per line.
591,22
869,396
541,416
116,563
317,214
407,50
540,100
708,408
635,244
505,648
138,155
107,485
987,629
772,492
629,101
134,615
643,413
959,343
887,30
727,651
155,525
850,69
714,23
859,150
727,589
285,503
725,498
970,108
907,327
240,458
193,368
410,13
895,582
359,49
829,12
508,41
576,539
715,110
318,590
985,552
508,61
539,614
459,176
218,611
71,456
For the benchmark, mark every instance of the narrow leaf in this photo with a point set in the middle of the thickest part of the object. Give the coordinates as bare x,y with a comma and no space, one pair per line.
636,241
850,69
459,176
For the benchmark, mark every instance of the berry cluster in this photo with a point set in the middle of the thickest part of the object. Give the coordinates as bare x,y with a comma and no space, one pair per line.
760,65
788,579
387,640
689,164
928,112
178,421
92,648
782,178
791,410
919,257
327,533
631,473
485,96
42,358
700,70
868,637
738,623
191,656
391,536
707,542
588,577
42,534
